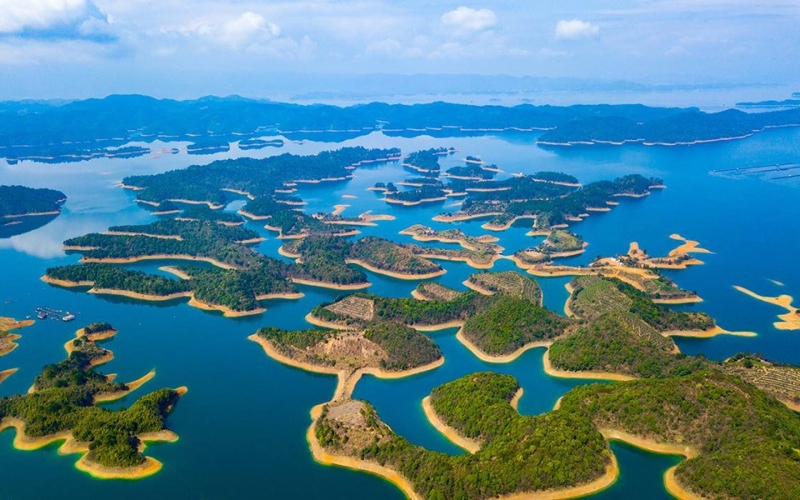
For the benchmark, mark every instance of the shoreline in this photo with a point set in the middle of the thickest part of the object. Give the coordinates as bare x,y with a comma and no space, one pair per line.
32,214
788,321
502,358
452,435
706,334
346,380
330,286
492,227
7,373
324,458
392,274
568,312
130,260
226,311
132,386
10,342
555,372
458,218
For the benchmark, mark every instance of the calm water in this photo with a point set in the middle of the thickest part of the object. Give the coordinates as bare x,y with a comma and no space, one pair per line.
242,425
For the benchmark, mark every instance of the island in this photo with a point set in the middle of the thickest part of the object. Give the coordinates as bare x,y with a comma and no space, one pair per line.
23,209
8,341
551,199
62,407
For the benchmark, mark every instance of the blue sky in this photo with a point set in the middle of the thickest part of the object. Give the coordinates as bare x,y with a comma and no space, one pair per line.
189,48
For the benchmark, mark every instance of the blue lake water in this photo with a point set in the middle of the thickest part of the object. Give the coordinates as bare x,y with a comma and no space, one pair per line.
242,425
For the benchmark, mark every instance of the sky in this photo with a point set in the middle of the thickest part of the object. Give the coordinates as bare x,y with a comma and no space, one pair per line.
191,48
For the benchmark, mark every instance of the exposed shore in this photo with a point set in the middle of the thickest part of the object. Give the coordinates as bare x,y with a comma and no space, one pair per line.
325,458
129,260
503,358
32,214
331,286
555,372
7,373
706,334
451,434
462,217
492,227
347,379
788,321
392,274
132,386
226,311
8,343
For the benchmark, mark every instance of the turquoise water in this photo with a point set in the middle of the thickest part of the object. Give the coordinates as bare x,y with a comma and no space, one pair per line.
242,425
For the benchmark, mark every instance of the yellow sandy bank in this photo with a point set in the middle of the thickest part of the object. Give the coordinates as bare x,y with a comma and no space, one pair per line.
401,276
226,311
506,358
347,379
670,481
706,334
331,286
492,227
790,320
467,260
252,216
129,260
132,386
555,372
457,217
339,209
240,192
7,373
323,457
451,434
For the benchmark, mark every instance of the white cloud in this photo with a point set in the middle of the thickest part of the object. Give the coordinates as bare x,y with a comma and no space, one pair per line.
576,29
467,19
39,15
249,30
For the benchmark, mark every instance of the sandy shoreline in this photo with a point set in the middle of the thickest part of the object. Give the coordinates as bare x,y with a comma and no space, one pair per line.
451,434
331,286
132,386
346,379
401,276
504,358
226,311
32,214
790,320
463,217
7,373
555,372
310,318
706,334
492,227
70,446
323,457
129,260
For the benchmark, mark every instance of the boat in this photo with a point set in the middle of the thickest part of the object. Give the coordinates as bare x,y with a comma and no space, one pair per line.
68,317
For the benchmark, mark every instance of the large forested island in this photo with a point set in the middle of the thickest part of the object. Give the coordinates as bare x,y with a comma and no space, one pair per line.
95,128
24,209
62,407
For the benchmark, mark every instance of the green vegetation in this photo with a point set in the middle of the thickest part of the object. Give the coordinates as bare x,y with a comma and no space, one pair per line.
509,283
435,291
552,202
110,277
509,323
593,296
387,345
748,442
780,381
519,454
555,177
260,177
405,347
421,194
19,200
619,342
425,162
404,310
471,171
97,327
560,241
63,400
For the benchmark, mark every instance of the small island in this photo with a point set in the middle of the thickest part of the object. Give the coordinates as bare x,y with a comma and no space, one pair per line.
62,407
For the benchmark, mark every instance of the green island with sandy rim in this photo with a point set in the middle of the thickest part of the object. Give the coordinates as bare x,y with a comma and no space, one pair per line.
61,407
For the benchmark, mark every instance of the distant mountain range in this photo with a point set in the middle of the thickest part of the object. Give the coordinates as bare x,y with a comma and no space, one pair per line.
59,131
